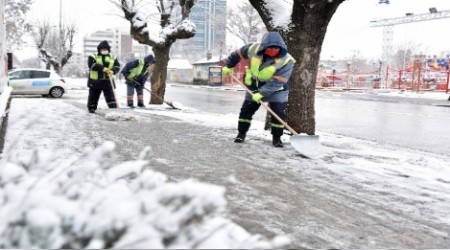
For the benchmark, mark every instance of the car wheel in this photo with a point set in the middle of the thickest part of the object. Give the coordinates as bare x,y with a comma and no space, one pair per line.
56,92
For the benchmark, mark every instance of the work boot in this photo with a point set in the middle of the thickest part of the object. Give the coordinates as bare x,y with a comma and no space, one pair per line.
276,141
130,104
92,111
141,105
239,138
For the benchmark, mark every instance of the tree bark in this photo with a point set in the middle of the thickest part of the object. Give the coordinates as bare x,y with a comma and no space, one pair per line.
158,78
304,39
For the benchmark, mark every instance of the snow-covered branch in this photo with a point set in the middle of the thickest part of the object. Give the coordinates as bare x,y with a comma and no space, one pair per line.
170,26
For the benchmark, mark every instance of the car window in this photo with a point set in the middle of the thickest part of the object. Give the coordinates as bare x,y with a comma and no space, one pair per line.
40,74
23,74
14,75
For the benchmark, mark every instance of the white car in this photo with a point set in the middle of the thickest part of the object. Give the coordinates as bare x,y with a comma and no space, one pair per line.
36,82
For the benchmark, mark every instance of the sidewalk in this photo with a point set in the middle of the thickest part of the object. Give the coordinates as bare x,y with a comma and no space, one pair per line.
360,194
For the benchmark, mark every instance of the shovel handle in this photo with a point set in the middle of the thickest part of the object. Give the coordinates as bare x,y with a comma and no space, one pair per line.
114,92
266,107
155,95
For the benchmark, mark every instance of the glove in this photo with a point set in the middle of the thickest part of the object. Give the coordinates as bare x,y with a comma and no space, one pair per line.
257,97
227,71
108,72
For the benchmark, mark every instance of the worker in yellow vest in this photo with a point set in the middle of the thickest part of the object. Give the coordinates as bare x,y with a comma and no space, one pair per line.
136,73
267,77
102,66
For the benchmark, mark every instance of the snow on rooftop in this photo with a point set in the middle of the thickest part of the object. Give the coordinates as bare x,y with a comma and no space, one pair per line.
214,59
179,64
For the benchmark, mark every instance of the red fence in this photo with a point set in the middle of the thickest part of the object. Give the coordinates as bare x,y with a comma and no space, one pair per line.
419,79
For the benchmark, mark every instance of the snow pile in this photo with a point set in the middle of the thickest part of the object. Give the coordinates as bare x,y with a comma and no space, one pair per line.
4,97
92,202
121,117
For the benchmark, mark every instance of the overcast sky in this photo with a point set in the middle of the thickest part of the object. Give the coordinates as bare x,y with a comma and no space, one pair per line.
348,32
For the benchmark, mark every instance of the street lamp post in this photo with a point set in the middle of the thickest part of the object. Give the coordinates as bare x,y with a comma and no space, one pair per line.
60,47
334,72
348,74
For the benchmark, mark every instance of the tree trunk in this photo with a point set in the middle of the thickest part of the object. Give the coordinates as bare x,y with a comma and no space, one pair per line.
309,22
304,41
158,78
301,109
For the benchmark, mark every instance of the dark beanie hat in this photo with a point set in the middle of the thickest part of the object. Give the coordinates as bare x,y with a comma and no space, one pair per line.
104,45
149,59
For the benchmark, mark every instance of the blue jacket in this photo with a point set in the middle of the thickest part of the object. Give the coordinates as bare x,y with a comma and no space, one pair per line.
270,89
133,64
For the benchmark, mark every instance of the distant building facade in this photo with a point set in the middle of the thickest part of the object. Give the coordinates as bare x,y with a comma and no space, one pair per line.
210,18
121,42
126,46
91,42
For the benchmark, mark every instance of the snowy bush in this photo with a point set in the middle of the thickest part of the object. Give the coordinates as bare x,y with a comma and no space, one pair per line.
88,201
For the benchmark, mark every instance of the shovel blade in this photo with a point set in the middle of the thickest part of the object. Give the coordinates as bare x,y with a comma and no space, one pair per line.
307,145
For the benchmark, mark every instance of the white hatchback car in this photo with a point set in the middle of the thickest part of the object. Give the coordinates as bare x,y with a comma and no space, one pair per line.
36,82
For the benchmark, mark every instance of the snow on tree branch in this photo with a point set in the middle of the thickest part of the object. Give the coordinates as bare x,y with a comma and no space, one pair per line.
280,12
91,201
173,22
15,22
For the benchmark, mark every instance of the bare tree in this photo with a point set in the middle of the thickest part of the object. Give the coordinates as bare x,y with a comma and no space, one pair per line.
404,54
244,22
357,61
172,24
15,22
50,42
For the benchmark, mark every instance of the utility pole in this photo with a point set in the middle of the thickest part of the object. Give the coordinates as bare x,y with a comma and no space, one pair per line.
60,47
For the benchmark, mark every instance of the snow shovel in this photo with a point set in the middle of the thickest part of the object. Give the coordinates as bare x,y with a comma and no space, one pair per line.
307,145
168,103
114,92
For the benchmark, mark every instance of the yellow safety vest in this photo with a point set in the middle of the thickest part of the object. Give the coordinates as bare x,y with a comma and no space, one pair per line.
137,70
266,73
109,60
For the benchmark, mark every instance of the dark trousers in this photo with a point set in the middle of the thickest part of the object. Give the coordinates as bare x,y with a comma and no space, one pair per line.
94,96
249,108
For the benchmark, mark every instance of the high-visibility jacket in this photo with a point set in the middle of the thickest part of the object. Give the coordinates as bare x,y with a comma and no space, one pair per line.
137,71
109,60
267,73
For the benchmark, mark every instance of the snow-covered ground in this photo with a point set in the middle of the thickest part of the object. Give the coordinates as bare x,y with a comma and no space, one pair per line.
58,164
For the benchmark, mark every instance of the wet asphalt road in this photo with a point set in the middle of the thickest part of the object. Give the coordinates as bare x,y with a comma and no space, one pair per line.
422,124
